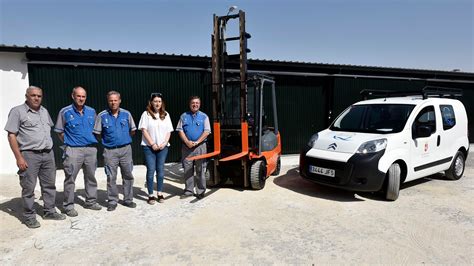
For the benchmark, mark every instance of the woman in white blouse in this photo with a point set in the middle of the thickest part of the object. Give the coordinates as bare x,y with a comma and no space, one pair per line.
155,124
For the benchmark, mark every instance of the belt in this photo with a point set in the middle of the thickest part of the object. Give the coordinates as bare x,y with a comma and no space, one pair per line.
116,147
39,151
85,146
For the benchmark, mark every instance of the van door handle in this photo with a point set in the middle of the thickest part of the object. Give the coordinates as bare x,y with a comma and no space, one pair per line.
439,140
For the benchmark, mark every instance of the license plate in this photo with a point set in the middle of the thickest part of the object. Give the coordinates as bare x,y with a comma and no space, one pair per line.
322,171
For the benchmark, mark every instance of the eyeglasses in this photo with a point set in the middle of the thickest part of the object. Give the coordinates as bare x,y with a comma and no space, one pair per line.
156,94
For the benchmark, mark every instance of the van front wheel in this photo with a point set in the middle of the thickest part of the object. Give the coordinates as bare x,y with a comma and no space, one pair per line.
457,167
393,182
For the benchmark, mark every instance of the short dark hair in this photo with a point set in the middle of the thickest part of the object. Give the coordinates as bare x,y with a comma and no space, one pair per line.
194,97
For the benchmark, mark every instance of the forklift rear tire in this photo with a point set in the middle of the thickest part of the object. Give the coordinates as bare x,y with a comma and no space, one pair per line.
257,175
278,167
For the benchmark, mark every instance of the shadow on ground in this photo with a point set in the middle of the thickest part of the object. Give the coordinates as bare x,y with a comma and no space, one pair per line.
293,181
173,187
14,208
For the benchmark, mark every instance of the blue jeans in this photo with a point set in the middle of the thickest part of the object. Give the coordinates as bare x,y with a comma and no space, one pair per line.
155,161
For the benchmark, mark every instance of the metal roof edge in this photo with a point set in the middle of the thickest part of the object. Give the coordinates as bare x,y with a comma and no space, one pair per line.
136,58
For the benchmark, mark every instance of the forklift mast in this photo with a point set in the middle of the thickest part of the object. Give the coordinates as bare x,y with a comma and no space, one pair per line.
244,153
220,59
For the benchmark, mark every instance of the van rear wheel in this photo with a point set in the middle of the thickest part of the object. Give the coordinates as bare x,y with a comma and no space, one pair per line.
456,170
393,182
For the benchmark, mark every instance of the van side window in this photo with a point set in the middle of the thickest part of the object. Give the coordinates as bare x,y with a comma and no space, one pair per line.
426,117
447,113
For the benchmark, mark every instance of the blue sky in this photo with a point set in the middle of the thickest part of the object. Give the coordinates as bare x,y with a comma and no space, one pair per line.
422,34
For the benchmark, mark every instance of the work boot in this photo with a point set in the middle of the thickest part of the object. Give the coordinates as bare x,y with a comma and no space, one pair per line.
54,216
32,223
94,206
111,207
186,194
130,204
200,196
71,213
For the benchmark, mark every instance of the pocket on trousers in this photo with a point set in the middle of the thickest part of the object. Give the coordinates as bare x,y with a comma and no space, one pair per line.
63,152
21,174
68,169
107,170
23,178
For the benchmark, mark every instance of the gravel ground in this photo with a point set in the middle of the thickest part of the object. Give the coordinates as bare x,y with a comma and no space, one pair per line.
290,221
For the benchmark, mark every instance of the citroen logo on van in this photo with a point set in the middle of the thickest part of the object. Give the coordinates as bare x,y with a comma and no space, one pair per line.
332,146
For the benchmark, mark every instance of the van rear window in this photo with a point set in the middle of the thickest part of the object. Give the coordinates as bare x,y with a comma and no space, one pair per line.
449,119
373,118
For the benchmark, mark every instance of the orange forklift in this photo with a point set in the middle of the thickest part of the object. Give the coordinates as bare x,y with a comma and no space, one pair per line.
246,146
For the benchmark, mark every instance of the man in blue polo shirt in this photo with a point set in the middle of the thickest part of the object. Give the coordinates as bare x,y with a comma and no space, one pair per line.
116,127
74,127
193,128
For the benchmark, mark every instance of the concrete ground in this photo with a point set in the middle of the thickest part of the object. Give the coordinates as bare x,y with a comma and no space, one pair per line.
290,221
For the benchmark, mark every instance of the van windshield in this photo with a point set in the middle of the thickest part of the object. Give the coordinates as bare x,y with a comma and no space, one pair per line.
373,118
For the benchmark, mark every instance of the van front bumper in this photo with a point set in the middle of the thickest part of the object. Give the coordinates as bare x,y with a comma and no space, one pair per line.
359,173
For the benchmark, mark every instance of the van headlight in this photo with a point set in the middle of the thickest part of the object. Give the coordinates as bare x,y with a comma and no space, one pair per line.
313,140
372,146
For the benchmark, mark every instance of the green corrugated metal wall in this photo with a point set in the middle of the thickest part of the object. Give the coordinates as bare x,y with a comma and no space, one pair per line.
299,100
302,101
135,86
301,105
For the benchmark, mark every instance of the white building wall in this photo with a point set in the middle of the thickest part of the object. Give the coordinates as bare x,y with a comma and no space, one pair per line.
13,84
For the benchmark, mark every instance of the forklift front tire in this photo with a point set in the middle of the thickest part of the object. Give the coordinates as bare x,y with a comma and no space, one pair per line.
257,175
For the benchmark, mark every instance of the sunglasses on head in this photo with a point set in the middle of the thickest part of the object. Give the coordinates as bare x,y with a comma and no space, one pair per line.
156,94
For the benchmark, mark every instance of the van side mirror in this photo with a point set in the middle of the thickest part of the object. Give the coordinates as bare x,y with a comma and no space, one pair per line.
423,131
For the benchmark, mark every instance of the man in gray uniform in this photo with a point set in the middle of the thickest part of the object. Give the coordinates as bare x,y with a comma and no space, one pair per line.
193,128
29,134
74,127
116,127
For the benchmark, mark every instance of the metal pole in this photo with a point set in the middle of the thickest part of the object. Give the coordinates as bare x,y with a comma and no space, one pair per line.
275,116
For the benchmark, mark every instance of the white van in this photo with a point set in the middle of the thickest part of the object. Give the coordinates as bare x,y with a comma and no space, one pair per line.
375,145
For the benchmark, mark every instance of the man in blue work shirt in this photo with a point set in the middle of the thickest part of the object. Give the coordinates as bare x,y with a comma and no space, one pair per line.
74,127
193,128
116,126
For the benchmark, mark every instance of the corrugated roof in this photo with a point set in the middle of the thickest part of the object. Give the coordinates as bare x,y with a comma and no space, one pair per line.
109,57
26,48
